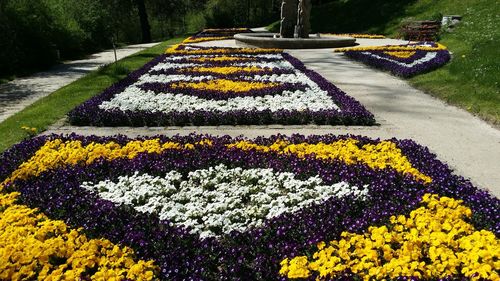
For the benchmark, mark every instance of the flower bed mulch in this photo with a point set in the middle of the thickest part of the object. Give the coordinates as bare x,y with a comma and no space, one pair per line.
219,208
221,86
402,60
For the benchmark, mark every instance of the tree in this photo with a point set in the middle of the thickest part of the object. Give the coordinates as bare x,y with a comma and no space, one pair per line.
143,17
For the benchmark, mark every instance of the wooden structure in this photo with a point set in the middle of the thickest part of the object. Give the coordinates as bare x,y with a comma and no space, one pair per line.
427,30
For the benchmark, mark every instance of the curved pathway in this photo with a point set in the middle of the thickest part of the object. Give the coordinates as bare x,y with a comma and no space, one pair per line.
469,145
21,92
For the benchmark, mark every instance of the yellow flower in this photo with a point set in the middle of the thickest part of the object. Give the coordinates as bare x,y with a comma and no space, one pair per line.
225,85
30,241
427,248
204,39
404,48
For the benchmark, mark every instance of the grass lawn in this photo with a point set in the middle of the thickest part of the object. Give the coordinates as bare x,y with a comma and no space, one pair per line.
470,80
52,108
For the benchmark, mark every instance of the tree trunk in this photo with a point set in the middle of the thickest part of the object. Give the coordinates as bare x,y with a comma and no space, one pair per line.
288,18
143,17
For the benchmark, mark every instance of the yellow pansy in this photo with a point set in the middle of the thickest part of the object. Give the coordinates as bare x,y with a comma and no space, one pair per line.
221,58
225,85
30,243
434,241
401,54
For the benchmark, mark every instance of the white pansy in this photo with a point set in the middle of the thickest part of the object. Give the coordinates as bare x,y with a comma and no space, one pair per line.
219,200
282,64
264,56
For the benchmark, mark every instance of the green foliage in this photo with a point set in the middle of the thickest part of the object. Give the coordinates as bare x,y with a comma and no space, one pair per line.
195,22
247,13
54,107
34,34
351,16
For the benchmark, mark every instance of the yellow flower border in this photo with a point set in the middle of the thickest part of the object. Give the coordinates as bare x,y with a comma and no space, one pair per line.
439,47
434,241
205,39
380,156
174,49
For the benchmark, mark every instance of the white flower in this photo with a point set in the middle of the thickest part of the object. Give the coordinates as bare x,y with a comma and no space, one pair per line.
428,57
219,200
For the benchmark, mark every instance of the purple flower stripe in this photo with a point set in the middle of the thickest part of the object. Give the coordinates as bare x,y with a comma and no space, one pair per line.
215,118
219,95
238,74
17,154
443,56
241,59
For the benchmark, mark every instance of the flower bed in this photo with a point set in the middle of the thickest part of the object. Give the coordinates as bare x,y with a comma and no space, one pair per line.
217,86
402,60
212,34
206,208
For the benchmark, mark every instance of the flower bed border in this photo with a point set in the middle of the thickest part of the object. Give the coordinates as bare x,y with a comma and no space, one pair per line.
352,112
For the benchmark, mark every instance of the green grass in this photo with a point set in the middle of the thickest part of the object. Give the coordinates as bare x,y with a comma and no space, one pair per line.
52,108
470,80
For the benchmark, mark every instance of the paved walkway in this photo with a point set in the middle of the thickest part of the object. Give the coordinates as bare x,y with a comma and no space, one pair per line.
18,94
467,144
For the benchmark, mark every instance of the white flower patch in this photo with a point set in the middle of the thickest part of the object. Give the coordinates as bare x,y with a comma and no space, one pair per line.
428,57
134,99
219,200
264,56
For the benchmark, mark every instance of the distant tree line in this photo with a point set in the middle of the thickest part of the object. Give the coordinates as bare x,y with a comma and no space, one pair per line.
35,33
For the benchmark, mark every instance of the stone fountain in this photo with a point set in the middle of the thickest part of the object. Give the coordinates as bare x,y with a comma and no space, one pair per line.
294,31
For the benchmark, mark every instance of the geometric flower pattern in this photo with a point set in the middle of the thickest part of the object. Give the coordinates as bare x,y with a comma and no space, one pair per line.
77,181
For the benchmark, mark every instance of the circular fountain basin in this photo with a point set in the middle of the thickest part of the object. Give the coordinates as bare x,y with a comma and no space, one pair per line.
269,40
